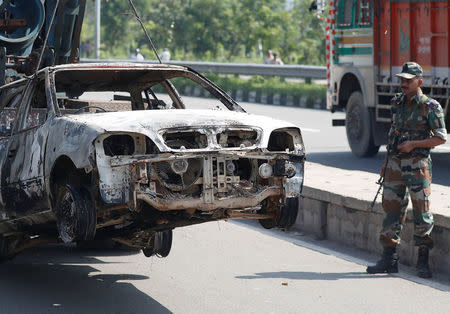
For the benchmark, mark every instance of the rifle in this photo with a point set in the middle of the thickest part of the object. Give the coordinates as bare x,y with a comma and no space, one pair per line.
380,182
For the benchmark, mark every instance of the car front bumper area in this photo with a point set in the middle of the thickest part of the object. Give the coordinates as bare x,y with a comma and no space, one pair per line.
206,181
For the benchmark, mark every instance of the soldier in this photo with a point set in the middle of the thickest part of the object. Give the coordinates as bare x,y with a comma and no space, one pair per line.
417,126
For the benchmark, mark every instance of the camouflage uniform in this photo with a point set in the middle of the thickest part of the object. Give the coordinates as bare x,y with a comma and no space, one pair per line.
423,119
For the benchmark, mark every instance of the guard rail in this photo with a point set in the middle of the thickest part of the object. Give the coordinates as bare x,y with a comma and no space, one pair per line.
293,71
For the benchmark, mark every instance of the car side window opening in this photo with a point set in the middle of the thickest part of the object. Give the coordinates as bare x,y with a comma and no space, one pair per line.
11,99
38,108
96,91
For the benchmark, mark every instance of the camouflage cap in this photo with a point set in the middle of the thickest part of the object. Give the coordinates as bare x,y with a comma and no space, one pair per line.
410,70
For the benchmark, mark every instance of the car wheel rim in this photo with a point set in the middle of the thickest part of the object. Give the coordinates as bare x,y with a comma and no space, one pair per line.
67,221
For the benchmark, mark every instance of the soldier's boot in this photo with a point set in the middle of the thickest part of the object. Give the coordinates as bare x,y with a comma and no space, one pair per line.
423,269
387,264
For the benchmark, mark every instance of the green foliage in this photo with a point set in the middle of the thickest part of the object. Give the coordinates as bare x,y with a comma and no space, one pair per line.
211,30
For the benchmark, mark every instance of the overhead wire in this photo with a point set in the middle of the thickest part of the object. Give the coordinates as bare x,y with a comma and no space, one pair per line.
138,18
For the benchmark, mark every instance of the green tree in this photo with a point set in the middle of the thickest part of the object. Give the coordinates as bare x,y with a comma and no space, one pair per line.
118,29
309,45
225,30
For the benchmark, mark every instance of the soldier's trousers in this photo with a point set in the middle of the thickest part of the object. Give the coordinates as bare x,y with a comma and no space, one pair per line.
403,175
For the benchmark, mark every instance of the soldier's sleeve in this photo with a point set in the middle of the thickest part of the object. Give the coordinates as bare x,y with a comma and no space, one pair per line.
436,119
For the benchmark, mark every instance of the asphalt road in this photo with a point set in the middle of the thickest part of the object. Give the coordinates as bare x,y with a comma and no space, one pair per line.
227,267
219,267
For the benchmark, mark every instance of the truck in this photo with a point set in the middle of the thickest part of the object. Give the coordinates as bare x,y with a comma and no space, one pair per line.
366,44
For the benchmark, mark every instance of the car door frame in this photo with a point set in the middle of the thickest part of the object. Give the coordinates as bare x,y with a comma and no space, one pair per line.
22,171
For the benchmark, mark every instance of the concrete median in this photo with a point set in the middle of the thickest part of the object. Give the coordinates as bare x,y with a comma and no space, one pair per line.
336,206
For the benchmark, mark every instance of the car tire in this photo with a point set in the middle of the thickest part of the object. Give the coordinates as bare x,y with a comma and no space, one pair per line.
75,213
162,244
268,223
3,249
287,215
9,247
359,127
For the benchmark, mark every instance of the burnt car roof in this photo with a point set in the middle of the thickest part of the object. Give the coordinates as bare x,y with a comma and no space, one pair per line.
105,68
108,76
116,65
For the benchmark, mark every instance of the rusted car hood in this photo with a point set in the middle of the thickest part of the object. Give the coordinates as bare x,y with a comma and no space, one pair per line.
149,122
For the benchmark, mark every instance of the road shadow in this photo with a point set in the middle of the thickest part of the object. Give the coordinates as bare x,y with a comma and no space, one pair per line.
348,161
300,275
52,280
60,253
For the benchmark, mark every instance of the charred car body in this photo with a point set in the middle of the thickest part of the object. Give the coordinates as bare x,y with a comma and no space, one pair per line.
112,150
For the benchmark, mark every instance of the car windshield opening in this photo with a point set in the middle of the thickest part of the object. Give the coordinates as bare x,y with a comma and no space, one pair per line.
104,90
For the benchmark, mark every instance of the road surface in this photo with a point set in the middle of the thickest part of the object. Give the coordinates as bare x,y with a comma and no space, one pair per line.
218,267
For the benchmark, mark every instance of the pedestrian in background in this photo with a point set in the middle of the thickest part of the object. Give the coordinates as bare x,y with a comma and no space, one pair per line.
417,126
269,57
165,55
276,60
137,55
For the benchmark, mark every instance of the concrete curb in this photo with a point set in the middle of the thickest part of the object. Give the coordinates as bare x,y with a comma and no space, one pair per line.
346,217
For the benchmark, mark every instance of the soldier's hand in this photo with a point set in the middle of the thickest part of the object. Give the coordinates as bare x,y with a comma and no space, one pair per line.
405,147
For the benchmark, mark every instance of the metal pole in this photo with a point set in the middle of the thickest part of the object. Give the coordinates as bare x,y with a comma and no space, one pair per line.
97,28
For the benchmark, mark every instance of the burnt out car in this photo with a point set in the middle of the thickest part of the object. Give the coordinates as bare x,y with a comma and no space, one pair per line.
113,151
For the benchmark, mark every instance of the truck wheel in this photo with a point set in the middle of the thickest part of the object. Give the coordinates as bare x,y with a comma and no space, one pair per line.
75,213
358,127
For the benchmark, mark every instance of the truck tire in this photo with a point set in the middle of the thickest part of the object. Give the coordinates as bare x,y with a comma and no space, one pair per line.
359,127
